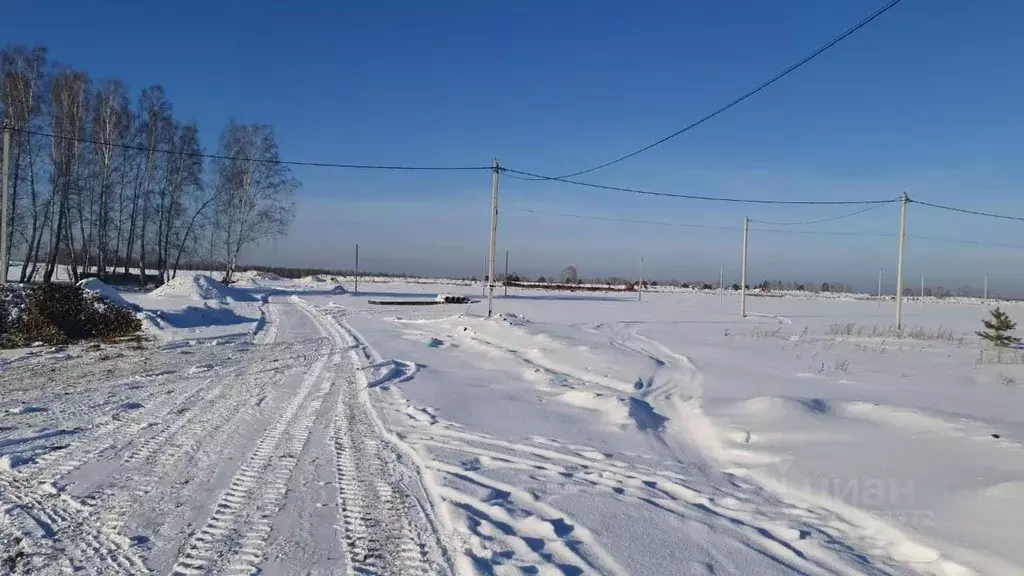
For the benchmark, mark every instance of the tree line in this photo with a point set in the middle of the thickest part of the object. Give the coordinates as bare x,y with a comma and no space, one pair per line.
105,184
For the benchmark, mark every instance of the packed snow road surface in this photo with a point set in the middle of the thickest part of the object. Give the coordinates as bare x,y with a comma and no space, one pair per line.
229,456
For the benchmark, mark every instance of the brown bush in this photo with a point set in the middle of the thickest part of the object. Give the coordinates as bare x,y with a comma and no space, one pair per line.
61,314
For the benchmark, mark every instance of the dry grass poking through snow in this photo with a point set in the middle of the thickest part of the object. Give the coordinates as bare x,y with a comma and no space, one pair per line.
996,355
941,334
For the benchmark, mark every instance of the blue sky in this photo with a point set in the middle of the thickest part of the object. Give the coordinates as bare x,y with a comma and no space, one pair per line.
926,99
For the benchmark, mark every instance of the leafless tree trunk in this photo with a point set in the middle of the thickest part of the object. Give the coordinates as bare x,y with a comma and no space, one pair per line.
69,94
111,117
255,193
22,74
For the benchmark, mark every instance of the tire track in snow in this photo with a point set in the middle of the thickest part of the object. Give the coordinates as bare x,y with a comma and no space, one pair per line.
89,528
68,534
161,456
115,430
250,551
205,546
386,530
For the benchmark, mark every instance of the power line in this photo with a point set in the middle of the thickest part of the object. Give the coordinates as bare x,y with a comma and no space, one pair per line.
622,220
822,220
257,160
793,67
965,211
845,233
697,197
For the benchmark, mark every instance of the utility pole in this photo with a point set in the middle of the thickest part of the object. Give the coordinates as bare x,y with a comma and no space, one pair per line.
494,238
922,290
721,282
986,273
357,269
5,197
743,273
879,284
899,261
506,273
640,286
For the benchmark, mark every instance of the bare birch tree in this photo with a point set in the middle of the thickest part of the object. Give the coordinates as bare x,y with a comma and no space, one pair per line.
101,184
24,99
68,118
111,123
254,191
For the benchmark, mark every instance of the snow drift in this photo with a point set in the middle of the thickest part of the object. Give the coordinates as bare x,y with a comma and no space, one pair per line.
200,287
106,292
256,278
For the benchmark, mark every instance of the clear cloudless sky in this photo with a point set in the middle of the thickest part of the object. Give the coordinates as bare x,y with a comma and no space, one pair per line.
928,99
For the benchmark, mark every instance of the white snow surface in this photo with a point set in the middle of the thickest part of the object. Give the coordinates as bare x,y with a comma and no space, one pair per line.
285,429
104,291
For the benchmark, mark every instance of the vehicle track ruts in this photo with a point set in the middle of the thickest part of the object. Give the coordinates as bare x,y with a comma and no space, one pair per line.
207,545
386,529
66,523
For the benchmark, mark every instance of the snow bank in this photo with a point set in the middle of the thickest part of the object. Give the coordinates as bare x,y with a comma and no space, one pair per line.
105,291
200,287
255,277
317,279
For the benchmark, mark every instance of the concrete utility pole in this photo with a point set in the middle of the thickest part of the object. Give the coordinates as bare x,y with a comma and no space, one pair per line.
721,282
5,197
986,277
743,273
899,261
357,269
494,238
506,273
640,287
879,284
922,290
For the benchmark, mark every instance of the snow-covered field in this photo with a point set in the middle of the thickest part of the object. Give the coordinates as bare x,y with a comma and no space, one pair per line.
286,427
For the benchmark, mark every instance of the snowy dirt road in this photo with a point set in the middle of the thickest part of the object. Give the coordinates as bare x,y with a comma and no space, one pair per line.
224,456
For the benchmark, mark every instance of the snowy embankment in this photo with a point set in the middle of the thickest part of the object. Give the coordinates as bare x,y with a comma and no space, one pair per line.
288,427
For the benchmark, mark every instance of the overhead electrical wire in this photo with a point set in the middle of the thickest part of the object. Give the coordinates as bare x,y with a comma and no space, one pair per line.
819,221
257,160
623,220
699,197
965,211
519,174
793,67
766,230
